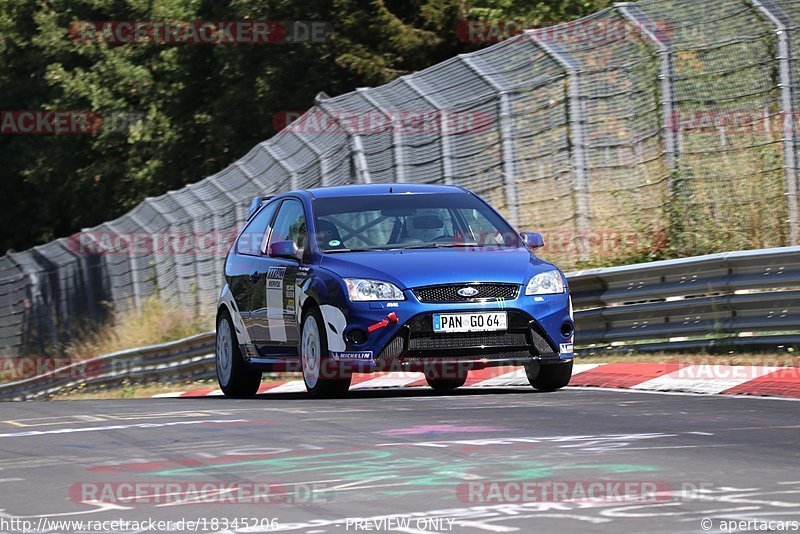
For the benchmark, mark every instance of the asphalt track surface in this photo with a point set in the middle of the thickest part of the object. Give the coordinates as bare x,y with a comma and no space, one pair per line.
404,461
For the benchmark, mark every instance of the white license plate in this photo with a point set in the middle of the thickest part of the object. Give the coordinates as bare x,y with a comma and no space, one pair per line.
470,322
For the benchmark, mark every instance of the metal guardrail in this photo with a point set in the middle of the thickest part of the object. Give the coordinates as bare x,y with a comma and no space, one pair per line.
190,358
734,299
745,299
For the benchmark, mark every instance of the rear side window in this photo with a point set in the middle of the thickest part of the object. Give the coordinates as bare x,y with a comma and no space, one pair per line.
252,240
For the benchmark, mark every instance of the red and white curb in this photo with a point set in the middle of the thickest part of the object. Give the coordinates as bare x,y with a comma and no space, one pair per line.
664,377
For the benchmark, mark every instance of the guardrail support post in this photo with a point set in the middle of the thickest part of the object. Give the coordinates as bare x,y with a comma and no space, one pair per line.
577,120
788,114
506,138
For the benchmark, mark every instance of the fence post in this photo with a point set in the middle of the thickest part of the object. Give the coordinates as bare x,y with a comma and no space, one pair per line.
239,213
200,237
324,164
135,282
506,139
266,147
444,135
154,264
666,78
397,134
577,119
362,168
219,266
26,310
788,114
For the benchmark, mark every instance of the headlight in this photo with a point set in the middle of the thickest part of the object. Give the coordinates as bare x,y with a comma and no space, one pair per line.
546,283
363,290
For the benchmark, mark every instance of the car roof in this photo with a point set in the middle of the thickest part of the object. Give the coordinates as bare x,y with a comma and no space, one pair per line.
381,189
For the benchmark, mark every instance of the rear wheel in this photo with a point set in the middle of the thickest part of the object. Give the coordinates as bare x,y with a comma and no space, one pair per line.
321,378
549,377
236,377
439,380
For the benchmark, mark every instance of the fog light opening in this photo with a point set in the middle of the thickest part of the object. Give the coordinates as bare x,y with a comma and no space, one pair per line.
567,329
356,336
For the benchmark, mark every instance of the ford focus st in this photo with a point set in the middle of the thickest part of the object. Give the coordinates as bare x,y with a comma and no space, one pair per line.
367,278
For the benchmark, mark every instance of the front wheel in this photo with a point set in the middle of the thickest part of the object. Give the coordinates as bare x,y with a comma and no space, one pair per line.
236,377
442,380
549,377
321,378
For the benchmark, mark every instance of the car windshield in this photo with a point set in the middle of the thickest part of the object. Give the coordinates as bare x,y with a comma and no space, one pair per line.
405,221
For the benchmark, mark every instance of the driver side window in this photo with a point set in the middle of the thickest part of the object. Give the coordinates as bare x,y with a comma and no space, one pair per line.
251,241
290,224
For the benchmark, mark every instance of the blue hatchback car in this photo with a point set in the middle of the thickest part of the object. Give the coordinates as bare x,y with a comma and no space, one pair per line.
366,278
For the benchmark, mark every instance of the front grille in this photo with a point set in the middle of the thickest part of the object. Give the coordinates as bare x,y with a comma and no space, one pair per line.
540,343
495,355
449,293
394,349
466,341
417,340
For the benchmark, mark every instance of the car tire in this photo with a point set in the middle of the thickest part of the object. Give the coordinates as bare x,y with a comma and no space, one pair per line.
314,358
549,377
438,383
236,377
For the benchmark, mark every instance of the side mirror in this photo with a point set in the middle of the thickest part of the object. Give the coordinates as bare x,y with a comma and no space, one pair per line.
283,249
532,240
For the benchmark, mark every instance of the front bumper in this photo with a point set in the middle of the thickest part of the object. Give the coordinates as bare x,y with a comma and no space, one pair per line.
534,335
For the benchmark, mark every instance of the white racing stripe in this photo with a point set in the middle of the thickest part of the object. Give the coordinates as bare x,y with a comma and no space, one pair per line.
516,377
579,368
295,386
395,379
708,379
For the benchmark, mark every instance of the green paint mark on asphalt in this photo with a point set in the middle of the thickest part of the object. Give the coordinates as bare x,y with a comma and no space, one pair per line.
372,465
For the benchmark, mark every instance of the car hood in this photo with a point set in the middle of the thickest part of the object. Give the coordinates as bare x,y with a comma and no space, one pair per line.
424,267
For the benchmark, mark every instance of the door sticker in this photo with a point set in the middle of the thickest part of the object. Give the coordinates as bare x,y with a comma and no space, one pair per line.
275,306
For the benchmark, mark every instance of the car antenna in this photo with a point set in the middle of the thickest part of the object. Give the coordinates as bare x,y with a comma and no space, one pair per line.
391,189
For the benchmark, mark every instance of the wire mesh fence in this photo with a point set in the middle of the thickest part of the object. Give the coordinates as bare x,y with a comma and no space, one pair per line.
662,127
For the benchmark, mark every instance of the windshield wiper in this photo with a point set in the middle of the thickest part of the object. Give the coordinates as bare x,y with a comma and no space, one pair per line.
337,250
441,245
